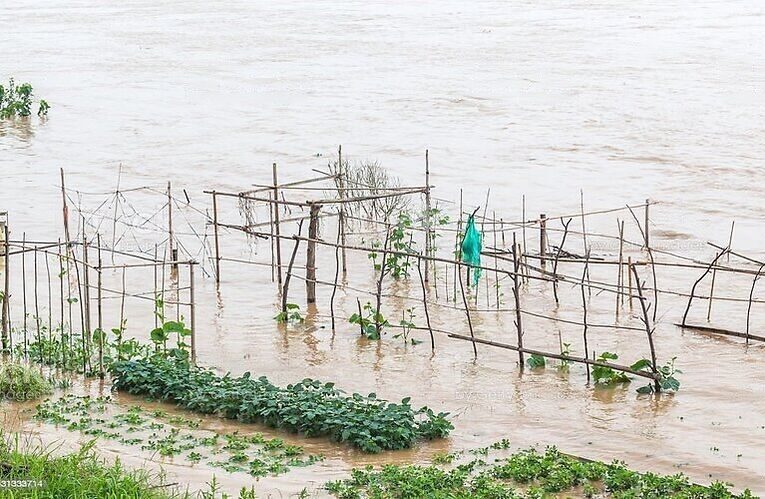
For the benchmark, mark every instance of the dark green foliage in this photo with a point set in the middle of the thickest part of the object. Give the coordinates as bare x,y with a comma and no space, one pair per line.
310,407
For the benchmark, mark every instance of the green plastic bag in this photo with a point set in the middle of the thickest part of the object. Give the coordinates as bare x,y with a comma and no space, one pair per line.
471,248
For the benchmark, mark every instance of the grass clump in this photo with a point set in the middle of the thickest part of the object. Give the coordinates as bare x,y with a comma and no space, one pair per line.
527,474
78,475
20,382
310,407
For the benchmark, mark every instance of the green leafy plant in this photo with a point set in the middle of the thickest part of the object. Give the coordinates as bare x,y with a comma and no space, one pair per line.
535,361
407,324
310,407
565,351
17,101
604,375
527,474
369,321
666,373
292,314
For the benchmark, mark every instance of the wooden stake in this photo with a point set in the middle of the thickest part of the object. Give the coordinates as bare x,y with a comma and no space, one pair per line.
543,238
310,270
467,309
99,306
37,311
425,304
276,227
288,277
712,293
428,233
192,313
217,239
751,297
341,183
647,230
620,275
584,312
170,253
6,287
648,328
337,275
517,296
629,277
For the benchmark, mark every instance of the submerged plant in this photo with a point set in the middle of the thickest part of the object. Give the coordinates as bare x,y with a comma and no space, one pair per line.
371,323
666,374
604,375
292,314
16,101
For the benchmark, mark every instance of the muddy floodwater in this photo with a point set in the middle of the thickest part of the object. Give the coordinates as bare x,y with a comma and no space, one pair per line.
620,101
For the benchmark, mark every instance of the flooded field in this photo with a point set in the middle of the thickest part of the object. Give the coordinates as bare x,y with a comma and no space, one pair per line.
621,102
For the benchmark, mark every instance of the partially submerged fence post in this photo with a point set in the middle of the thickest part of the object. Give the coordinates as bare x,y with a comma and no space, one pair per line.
192,313
542,238
584,311
647,231
288,277
648,329
427,216
217,238
425,303
517,295
277,232
341,184
310,270
6,285
751,298
99,299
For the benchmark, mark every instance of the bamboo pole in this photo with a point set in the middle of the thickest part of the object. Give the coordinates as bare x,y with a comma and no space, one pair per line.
170,253
61,295
6,287
425,304
288,277
711,293
337,276
100,311
693,288
341,180
276,227
649,329
383,270
37,312
620,275
629,278
86,292
216,236
751,296
517,297
543,238
193,314
50,307
24,294
557,258
467,311
313,232
428,221
584,313
647,230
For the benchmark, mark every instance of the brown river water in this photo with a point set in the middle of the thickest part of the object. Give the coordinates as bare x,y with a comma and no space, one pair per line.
622,100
